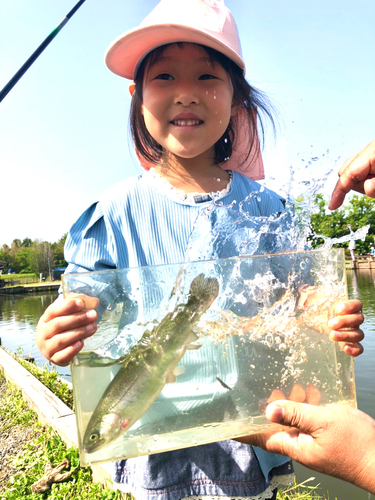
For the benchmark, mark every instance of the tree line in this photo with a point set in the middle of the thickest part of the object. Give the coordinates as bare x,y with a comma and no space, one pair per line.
33,257
358,212
37,256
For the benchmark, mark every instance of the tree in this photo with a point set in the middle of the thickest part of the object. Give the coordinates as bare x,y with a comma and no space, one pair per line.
27,242
58,250
21,261
41,258
332,225
359,212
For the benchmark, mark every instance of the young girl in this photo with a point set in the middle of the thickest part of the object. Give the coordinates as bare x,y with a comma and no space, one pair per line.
190,105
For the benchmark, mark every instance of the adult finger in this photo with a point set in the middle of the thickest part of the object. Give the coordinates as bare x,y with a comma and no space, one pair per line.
299,424
357,173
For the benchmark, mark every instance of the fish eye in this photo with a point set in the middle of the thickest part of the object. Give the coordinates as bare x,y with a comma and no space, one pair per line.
94,437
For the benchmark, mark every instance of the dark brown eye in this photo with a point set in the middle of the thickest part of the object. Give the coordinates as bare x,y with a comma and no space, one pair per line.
207,77
164,76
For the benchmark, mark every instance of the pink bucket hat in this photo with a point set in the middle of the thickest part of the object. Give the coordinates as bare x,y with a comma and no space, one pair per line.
205,22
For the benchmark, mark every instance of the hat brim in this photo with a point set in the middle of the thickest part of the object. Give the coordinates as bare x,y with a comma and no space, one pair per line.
126,53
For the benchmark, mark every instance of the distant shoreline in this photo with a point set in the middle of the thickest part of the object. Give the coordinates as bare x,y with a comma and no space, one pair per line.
31,288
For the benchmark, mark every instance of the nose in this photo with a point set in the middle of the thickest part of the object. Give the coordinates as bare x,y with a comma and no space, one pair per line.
186,94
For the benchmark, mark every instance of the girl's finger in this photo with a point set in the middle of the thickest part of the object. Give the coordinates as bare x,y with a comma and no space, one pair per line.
88,302
349,307
66,307
62,307
63,324
63,341
355,335
64,357
353,350
346,321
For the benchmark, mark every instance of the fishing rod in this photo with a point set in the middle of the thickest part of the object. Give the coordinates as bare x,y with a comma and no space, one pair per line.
8,87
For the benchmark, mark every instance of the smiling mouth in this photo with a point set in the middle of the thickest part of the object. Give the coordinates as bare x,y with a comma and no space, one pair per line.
188,123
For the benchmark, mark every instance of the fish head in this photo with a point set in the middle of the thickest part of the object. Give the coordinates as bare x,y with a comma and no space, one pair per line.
102,431
203,291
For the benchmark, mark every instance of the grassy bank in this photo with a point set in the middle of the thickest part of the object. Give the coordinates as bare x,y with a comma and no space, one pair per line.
26,447
49,377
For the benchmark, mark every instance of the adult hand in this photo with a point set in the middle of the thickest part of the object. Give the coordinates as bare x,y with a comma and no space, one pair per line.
357,173
337,440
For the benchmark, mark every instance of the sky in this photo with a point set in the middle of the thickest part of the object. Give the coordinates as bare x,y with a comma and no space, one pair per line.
64,127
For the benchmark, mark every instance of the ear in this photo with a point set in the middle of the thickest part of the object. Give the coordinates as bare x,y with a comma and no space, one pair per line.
131,88
234,109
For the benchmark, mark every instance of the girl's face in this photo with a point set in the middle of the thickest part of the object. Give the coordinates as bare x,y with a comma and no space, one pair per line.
187,101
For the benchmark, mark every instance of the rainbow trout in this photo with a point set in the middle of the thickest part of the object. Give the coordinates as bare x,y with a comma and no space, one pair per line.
148,366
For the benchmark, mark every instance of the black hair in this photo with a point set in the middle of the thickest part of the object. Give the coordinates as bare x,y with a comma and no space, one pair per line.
252,100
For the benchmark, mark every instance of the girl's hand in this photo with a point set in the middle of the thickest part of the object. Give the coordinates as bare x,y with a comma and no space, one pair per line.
63,327
345,326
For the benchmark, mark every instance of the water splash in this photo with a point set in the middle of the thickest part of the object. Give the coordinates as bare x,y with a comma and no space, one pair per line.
223,231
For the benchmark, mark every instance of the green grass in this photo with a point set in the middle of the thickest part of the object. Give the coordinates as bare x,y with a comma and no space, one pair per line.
300,491
44,447
49,377
10,277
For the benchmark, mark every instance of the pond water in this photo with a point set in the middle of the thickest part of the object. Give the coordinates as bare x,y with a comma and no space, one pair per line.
19,316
